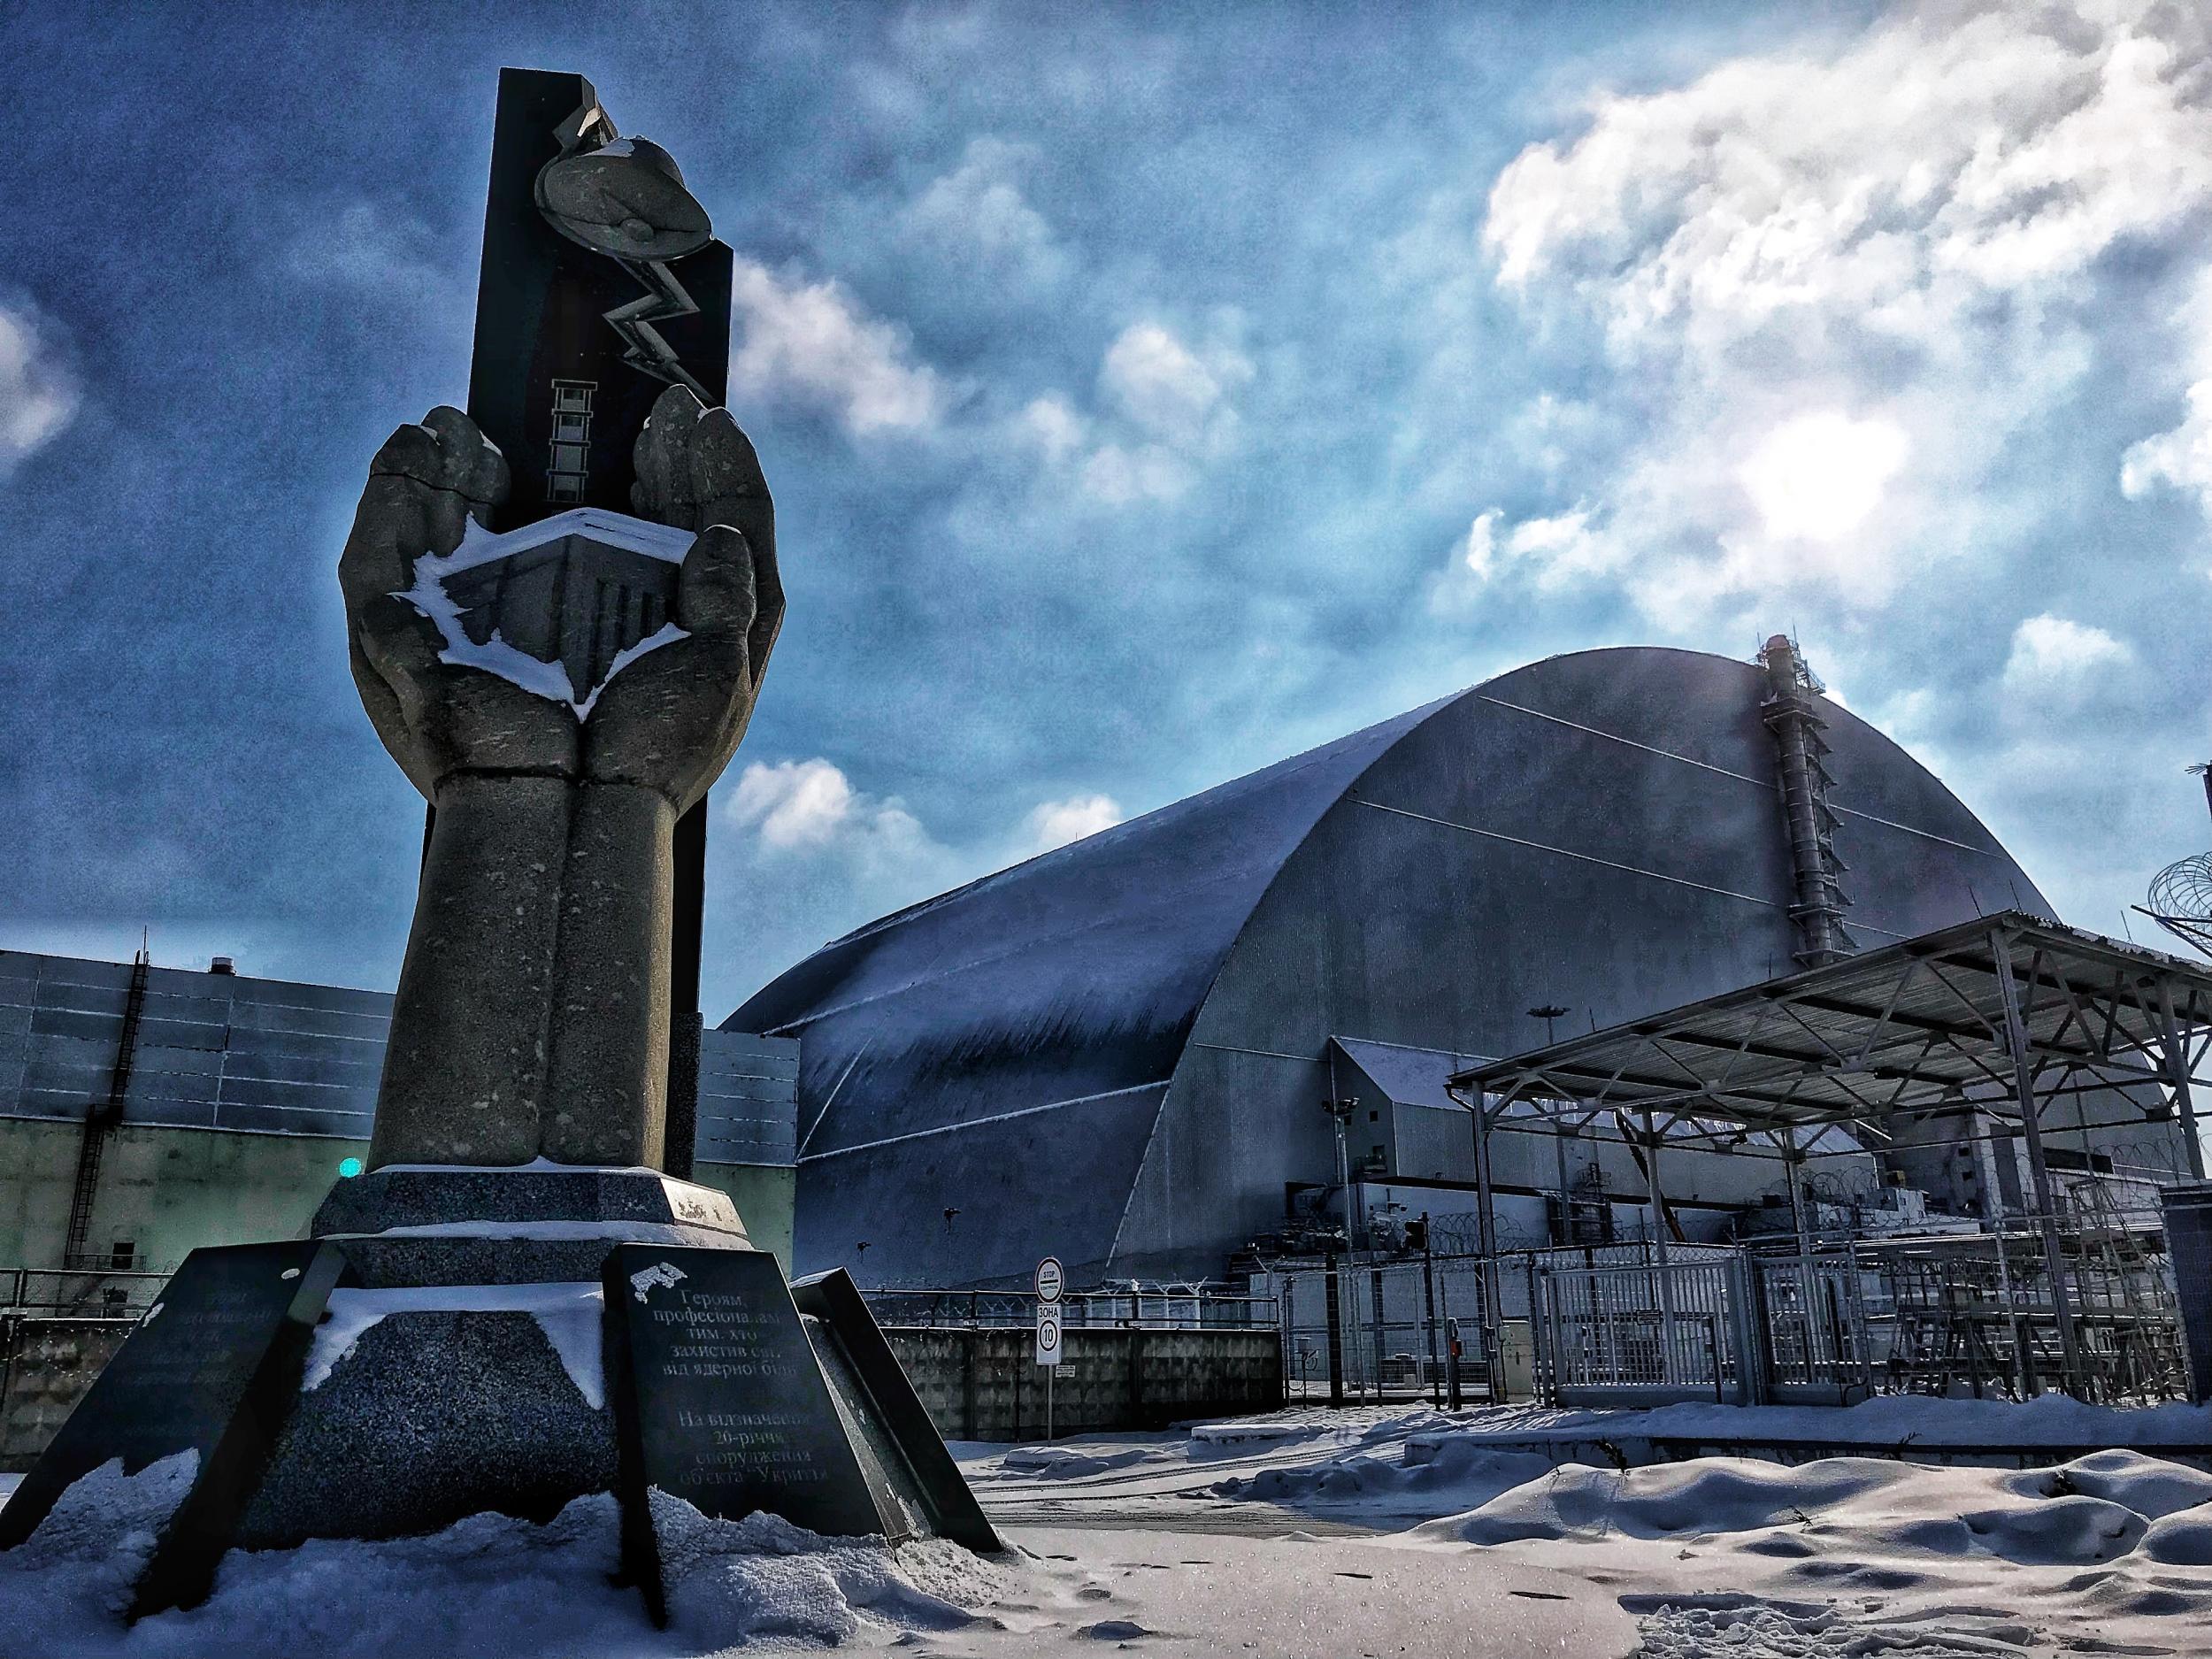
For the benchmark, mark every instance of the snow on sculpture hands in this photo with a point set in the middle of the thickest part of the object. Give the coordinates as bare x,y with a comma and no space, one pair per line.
590,645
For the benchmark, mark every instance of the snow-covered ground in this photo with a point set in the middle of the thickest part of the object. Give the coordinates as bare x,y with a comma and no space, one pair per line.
2110,1553
497,1588
1305,1532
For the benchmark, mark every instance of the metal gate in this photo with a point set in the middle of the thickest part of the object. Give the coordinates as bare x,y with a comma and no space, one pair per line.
1378,1331
1648,1333
1814,1314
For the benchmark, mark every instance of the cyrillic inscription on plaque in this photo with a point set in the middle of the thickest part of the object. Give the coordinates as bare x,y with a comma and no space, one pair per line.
720,1398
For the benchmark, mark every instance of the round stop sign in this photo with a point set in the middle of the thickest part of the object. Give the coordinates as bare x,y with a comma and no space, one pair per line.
1049,1279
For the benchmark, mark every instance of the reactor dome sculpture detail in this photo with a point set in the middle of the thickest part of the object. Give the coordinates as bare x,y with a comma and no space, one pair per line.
625,198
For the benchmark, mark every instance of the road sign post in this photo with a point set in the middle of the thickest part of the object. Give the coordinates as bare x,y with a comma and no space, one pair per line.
1051,1281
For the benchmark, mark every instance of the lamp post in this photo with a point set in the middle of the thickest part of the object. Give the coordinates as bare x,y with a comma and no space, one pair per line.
1548,1012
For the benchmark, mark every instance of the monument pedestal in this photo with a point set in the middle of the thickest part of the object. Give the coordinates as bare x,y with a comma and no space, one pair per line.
460,1365
422,1224
459,1340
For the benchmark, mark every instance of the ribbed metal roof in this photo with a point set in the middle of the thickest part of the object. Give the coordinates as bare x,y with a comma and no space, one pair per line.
1078,972
986,1076
1892,1030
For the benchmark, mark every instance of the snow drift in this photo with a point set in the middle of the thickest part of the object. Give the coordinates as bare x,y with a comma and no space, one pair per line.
2095,1509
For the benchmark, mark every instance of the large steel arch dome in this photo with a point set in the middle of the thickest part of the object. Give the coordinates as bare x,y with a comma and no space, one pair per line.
1115,1052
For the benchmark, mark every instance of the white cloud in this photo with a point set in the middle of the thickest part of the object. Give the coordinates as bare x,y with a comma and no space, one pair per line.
383,253
1834,286
978,211
2179,459
1552,554
1145,472
812,343
1050,424
807,820
1056,822
1167,389
1820,477
1479,551
1562,549
1937,158
794,806
38,393
1165,414
2052,657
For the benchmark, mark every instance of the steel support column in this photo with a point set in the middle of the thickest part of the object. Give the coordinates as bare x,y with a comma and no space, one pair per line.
2045,1202
2177,1059
1792,1161
1668,1335
1487,1217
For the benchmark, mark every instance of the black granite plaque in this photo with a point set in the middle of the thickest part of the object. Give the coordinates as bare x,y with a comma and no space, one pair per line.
719,1400
212,1368
917,1464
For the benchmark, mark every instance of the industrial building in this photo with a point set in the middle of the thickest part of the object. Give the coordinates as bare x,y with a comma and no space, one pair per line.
1220,1033
145,1111
1215,1032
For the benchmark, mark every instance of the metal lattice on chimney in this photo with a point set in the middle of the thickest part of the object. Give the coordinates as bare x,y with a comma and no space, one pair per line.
1792,713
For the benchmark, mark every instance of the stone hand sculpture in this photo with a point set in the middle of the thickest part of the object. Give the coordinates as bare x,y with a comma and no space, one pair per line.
532,1018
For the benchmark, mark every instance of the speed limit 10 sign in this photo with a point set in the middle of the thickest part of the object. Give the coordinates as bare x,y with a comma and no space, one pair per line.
1050,1282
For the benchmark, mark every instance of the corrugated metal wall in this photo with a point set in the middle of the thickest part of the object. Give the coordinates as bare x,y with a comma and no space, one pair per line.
215,1051
273,1057
748,1099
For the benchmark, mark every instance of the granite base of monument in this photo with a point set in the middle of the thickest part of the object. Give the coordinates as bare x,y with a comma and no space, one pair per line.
460,1226
509,1341
432,1415
463,1373
212,1370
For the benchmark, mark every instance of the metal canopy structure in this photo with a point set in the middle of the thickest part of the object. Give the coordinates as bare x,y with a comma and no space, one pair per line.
2003,1015
1920,1024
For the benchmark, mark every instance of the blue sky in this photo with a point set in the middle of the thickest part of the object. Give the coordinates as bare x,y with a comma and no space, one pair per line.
1148,393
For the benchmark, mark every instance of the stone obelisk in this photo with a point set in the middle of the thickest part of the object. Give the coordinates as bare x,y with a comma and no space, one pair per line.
558,614
625,528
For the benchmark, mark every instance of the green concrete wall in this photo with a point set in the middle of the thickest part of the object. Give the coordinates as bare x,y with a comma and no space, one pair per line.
764,1195
169,1191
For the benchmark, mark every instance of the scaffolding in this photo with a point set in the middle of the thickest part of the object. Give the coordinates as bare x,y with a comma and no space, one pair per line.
2001,1019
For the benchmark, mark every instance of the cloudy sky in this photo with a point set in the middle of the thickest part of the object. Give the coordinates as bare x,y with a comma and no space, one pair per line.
1148,393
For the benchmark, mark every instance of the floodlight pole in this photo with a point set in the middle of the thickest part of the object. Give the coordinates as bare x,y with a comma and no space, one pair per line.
2023,1089
1340,1109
